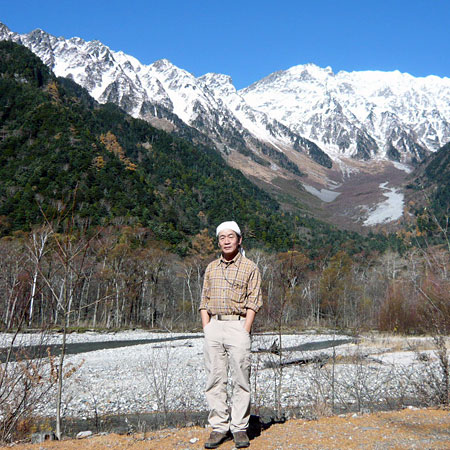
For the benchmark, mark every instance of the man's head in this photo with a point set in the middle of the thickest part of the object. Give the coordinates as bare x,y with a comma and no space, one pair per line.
230,239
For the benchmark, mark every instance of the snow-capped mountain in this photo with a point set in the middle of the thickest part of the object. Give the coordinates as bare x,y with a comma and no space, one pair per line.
141,90
360,114
363,115
298,131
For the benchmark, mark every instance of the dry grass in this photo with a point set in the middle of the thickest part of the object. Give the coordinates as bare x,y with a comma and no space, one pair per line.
406,429
390,343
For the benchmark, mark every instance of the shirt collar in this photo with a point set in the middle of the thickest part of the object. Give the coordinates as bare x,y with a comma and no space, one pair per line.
234,260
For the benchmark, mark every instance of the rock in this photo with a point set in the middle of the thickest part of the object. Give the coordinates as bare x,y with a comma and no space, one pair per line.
84,434
193,440
42,436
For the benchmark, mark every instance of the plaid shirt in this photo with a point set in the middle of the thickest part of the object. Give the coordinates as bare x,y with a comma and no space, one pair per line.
231,287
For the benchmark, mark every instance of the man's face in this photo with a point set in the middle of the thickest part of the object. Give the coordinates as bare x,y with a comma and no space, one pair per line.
229,243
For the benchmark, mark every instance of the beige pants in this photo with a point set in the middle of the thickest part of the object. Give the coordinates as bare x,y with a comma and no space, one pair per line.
227,343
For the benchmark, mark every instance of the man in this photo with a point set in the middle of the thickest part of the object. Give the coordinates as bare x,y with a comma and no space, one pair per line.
231,297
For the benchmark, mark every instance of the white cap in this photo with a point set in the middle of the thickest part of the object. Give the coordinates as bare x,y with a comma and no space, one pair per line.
232,225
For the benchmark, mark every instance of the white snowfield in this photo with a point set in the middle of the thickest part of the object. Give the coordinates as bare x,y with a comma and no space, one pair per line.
389,210
324,194
169,375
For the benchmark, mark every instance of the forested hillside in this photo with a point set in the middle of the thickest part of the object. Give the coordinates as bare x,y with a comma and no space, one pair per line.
61,151
58,146
430,193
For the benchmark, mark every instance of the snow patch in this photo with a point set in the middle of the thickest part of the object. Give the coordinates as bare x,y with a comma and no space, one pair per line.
403,167
388,211
324,194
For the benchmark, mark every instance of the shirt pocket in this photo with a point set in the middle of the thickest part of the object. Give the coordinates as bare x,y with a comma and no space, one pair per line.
239,289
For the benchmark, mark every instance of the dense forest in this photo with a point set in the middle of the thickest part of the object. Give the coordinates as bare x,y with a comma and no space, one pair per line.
108,222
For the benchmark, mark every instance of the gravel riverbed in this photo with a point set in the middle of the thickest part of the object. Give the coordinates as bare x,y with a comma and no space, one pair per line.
167,374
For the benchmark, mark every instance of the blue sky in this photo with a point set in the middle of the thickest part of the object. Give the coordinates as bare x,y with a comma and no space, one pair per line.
250,39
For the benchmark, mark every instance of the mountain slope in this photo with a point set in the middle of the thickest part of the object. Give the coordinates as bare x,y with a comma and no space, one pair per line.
54,142
58,146
429,191
364,115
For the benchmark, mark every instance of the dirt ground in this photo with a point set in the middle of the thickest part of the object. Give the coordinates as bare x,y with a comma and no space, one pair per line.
407,429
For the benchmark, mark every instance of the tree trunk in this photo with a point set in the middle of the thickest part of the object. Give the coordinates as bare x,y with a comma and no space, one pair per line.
33,292
60,380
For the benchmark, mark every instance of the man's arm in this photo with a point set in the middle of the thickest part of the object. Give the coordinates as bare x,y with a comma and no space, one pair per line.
254,296
249,318
205,317
204,300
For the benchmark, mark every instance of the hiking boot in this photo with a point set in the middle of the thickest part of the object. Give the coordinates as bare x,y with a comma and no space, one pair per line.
241,439
215,439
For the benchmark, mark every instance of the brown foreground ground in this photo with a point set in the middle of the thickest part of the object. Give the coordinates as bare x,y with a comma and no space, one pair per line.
406,429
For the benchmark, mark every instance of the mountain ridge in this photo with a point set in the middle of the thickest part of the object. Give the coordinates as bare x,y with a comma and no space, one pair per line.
133,85
367,112
361,98
265,133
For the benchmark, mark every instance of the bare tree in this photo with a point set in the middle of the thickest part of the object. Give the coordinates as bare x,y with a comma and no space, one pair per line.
36,246
25,379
